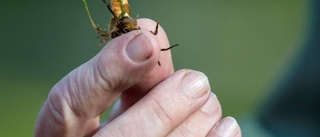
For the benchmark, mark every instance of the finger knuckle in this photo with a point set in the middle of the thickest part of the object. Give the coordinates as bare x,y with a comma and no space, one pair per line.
162,114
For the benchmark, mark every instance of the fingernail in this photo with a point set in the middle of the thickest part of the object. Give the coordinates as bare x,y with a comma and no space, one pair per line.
139,48
209,106
195,84
226,127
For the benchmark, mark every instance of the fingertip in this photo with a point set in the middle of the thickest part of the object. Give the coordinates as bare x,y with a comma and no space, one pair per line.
134,49
212,106
226,127
151,25
148,24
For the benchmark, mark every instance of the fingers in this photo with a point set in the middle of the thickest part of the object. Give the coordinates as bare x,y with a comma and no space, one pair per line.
201,122
159,73
75,102
206,122
164,108
226,127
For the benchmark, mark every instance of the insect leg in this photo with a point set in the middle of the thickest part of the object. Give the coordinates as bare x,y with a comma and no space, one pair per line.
166,50
169,47
155,32
104,1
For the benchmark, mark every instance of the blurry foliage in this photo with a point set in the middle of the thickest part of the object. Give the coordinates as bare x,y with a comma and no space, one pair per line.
240,45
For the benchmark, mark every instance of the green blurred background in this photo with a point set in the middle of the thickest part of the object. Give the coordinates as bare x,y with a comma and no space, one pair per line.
242,46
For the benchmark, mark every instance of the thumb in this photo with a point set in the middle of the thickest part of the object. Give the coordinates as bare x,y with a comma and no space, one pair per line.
75,102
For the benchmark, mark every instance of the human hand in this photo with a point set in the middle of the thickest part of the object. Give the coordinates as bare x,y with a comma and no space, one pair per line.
153,100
